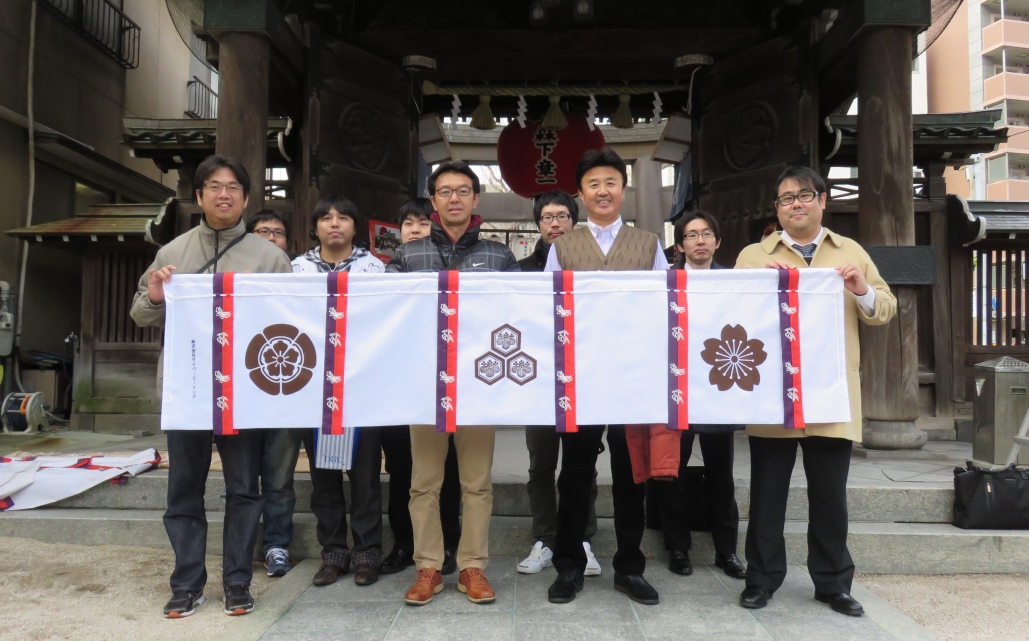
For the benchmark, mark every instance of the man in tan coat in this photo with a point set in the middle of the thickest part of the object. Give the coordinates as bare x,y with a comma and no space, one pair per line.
800,201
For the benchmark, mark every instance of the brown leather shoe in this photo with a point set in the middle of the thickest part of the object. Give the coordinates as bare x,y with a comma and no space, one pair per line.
473,582
327,574
427,582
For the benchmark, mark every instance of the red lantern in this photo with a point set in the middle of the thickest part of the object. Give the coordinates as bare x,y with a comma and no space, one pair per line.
534,160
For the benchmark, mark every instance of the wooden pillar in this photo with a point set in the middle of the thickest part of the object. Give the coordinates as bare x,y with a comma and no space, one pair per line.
184,188
889,354
243,106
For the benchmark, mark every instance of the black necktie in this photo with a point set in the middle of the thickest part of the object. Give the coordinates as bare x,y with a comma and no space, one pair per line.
807,251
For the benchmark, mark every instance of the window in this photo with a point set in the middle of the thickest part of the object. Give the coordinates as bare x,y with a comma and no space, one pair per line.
997,168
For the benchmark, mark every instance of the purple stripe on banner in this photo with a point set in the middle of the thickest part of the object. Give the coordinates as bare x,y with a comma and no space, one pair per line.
216,351
442,324
787,353
559,352
330,351
673,352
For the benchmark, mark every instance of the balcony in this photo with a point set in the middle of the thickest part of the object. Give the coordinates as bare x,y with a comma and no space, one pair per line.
1010,189
103,24
203,101
1006,34
1005,86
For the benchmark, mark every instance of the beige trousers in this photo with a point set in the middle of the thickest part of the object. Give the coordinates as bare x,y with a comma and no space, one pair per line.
474,446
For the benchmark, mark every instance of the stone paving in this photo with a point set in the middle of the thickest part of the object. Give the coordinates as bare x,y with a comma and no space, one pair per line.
699,607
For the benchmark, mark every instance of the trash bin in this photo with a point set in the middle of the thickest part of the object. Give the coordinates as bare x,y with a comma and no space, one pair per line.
1001,400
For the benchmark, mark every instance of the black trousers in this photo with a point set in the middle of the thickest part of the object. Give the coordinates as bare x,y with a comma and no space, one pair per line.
578,462
826,466
396,447
579,451
185,519
723,513
329,505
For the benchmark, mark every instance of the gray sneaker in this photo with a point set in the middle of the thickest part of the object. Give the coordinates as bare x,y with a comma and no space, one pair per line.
276,561
238,600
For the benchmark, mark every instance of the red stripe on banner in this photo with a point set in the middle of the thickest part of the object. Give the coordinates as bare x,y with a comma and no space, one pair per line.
453,283
228,327
342,296
683,409
571,418
794,296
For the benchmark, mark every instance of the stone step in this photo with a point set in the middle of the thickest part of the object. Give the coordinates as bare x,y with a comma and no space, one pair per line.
888,548
901,502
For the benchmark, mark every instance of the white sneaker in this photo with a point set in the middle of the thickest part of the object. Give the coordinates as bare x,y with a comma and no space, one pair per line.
540,556
592,565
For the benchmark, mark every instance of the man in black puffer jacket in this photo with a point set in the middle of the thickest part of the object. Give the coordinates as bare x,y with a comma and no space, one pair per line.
452,244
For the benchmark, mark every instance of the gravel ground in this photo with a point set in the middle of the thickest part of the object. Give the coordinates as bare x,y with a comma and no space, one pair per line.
965,607
108,592
86,593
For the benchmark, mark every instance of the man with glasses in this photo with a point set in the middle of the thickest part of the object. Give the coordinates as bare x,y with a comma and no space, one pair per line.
281,446
556,214
826,448
219,244
697,238
271,226
453,243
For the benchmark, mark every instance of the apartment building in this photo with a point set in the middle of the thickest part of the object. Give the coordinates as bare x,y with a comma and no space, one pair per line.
981,61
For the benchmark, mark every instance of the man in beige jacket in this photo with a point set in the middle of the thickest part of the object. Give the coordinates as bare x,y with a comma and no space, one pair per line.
826,448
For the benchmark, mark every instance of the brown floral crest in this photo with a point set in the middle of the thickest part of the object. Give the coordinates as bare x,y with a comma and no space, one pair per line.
734,359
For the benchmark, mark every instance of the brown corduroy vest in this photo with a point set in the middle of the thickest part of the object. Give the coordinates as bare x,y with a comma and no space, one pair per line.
633,249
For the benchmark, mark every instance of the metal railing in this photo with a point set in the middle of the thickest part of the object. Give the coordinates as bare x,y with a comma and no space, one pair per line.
203,101
103,24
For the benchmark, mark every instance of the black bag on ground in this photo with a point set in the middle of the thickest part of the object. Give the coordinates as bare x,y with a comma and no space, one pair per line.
991,500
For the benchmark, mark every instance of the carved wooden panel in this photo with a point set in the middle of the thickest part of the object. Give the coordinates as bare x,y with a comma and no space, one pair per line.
360,132
759,114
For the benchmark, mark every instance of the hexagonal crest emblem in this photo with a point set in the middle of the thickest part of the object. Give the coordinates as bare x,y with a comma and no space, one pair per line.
521,368
506,340
489,368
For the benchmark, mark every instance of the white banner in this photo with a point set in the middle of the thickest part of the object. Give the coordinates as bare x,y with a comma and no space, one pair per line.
336,350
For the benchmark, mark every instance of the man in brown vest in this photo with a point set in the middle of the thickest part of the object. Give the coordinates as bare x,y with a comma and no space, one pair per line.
604,244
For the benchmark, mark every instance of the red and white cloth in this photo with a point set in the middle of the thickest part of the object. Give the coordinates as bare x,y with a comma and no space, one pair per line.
338,350
34,481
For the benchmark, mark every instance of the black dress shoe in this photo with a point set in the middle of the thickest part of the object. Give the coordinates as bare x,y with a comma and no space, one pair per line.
565,587
637,588
366,574
397,561
328,574
755,597
731,566
841,602
449,563
679,562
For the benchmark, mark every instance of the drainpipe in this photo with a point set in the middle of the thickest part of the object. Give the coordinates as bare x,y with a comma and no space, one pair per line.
31,190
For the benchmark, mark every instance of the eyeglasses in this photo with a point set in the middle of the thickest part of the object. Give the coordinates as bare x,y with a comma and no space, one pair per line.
804,196
693,236
216,188
264,232
561,218
462,192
